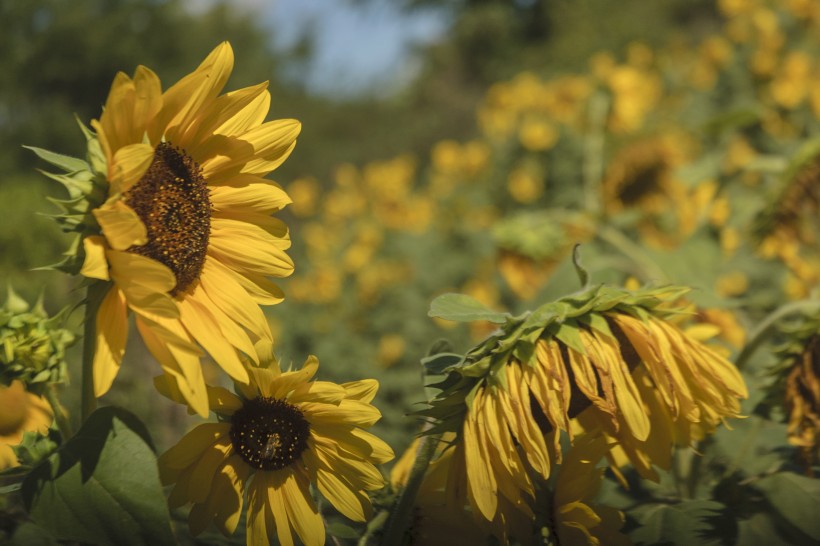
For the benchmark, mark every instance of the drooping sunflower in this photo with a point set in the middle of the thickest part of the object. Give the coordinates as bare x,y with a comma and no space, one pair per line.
281,433
602,361
174,218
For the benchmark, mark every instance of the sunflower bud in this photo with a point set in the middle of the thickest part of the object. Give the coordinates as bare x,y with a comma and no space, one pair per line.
33,345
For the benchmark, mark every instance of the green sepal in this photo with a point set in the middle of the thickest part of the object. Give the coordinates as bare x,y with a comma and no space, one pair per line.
34,447
67,163
463,308
568,333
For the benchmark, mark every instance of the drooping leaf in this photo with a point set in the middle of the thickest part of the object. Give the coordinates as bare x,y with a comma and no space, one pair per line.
796,498
463,308
102,486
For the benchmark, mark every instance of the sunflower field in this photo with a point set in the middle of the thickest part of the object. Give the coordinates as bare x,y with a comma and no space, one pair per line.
555,302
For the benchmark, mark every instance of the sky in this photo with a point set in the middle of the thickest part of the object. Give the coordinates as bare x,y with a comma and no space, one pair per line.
360,47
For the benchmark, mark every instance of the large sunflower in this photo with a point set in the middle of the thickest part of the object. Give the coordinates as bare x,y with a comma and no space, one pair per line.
282,433
180,226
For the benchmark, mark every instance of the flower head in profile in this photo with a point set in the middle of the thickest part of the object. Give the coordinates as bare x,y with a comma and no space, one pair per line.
606,361
174,221
797,386
281,433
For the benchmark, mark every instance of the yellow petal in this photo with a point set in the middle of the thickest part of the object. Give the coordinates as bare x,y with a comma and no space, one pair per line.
301,510
258,151
129,165
231,115
251,193
352,504
235,249
95,265
357,442
180,362
364,390
224,290
192,445
230,491
287,381
210,76
120,225
112,333
205,468
200,323
146,283
265,517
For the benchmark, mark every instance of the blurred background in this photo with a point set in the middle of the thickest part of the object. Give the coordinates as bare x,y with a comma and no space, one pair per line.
457,145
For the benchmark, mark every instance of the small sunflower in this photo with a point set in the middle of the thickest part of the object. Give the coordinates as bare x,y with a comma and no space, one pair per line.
280,434
174,218
20,412
602,361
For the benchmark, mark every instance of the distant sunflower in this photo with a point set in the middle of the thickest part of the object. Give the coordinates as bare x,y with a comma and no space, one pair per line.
603,361
20,412
280,434
179,221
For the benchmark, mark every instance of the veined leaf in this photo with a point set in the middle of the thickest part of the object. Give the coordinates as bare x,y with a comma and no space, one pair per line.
102,486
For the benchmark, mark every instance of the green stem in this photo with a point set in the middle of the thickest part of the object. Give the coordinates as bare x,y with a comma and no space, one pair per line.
403,510
632,251
594,153
94,297
767,327
60,417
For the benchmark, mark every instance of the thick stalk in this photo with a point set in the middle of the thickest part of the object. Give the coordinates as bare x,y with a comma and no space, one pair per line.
593,166
60,417
632,251
403,510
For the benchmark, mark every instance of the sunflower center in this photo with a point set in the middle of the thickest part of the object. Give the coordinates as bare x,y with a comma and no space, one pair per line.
269,433
173,201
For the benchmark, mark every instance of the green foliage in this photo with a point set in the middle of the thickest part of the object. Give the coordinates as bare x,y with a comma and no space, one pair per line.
688,522
463,308
102,485
33,344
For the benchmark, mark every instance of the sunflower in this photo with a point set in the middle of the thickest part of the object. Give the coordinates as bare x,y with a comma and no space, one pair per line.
174,218
602,361
281,433
20,412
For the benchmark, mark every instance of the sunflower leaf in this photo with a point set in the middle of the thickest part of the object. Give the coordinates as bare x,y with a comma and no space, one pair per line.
463,308
102,486
795,498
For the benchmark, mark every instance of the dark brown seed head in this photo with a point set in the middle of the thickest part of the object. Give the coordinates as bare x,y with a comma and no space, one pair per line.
269,434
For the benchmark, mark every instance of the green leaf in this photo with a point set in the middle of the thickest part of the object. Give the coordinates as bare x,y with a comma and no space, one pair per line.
796,498
340,530
463,308
102,486
681,524
438,364
29,534
67,163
